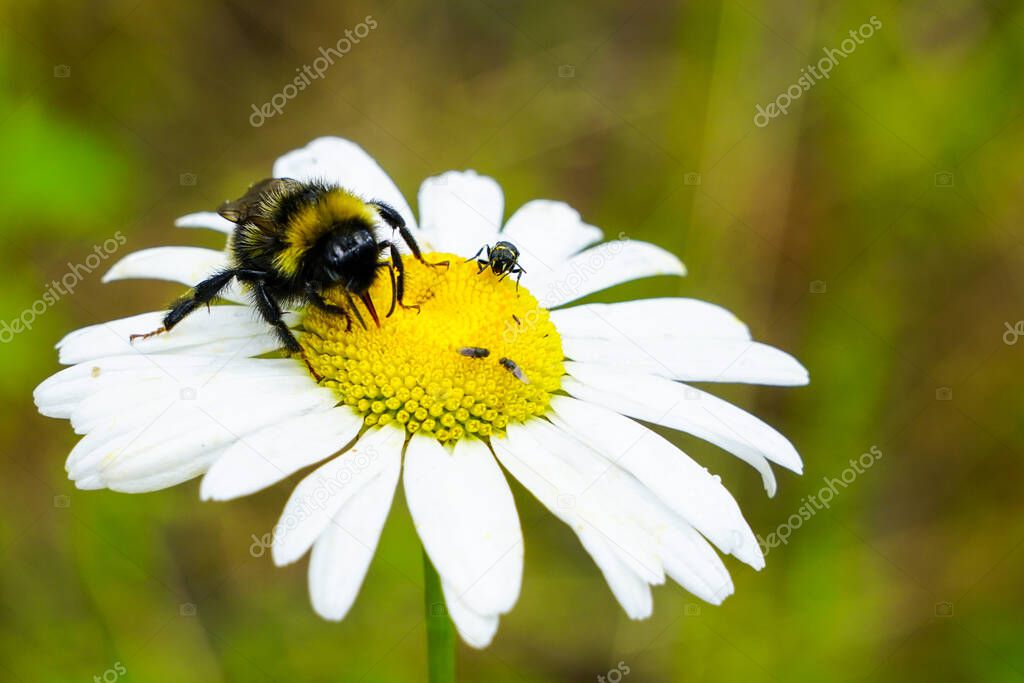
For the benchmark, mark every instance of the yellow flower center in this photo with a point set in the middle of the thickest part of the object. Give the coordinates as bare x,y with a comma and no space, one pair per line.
466,355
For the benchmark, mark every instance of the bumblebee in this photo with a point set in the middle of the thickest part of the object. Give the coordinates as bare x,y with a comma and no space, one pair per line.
502,259
293,242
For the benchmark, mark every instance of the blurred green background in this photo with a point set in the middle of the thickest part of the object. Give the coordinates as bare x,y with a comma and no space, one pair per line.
873,231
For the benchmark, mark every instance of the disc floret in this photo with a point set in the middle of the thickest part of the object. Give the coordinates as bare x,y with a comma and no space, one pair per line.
410,371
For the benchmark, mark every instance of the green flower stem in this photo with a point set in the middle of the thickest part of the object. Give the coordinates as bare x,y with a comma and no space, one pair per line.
440,633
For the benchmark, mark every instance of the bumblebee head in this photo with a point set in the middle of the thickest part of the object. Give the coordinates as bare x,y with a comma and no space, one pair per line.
346,255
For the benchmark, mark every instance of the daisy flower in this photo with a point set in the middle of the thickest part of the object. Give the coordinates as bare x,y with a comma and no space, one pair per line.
554,404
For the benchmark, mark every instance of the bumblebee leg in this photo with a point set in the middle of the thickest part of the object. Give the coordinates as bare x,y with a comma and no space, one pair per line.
316,375
203,293
318,300
396,260
146,335
477,254
394,288
384,245
271,312
395,220
415,248
388,214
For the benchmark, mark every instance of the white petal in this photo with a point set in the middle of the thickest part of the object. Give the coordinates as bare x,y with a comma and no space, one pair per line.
693,564
118,410
681,484
600,267
460,211
319,496
207,220
548,232
687,558
186,430
199,333
342,554
476,629
121,402
464,514
266,457
115,410
692,360
187,265
704,412
343,162
603,498
632,592
258,344
94,483
622,550
687,409
158,479
60,394
672,318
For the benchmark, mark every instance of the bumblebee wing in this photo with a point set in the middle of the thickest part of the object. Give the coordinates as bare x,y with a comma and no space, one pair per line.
255,205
